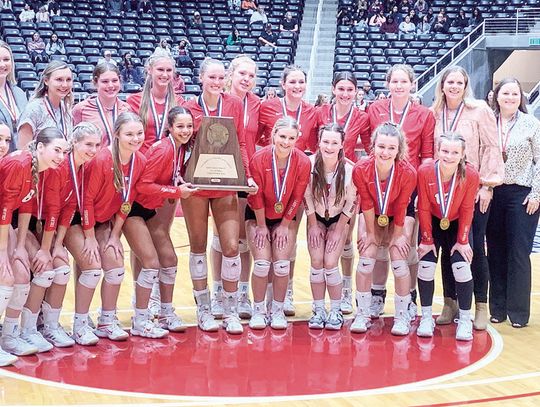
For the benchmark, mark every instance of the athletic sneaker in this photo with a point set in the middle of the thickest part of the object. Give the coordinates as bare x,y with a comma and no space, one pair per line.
376,309
426,327
346,301
317,319
33,337
278,320
6,358
464,330
57,336
84,335
205,319
172,323
154,307
360,324
232,325
244,306
146,328
334,320
413,310
402,324
288,304
110,329
258,321
217,304
17,346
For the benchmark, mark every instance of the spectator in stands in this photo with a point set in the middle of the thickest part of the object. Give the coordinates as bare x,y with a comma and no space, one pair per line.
424,27
179,86
130,5
268,37
461,21
389,26
395,14
6,6
55,46
53,8
377,20
27,14
181,53
196,21
369,95
322,99
114,5
259,15
421,7
381,95
163,47
404,7
248,6
34,5
376,7
234,38
415,98
432,17
441,25
476,18
36,49
42,16
345,16
414,17
407,27
361,6
145,7
107,57
289,24
489,98
130,74
234,4
360,101
270,93
126,59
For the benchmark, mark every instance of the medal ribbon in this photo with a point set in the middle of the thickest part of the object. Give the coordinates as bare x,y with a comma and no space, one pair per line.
103,115
383,202
284,110
205,108
50,109
159,123
347,120
403,115
246,117
326,193
504,135
279,190
39,197
10,104
73,172
179,160
455,120
126,191
445,204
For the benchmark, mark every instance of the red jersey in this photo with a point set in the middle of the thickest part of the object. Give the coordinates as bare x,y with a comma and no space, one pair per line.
250,114
295,184
231,107
358,126
87,111
461,207
156,183
272,110
134,100
400,193
418,126
101,200
17,189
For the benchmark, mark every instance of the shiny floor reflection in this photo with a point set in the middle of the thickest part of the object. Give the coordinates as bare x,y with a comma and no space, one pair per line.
268,363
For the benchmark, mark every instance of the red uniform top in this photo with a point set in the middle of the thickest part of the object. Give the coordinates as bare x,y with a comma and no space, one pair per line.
134,100
400,193
461,207
87,111
295,184
418,126
17,190
272,110
156,182
101,200
358,127
231,107
250,114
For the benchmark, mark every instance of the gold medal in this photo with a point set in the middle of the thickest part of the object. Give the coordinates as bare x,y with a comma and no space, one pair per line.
278,207
39,227
383,220
326,215
125,208
444,223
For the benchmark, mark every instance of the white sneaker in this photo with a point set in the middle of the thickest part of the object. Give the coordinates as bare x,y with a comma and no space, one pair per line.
232,325
402,324
84,335
426,327
360,324
334,320
147,329
278,320
464,330
413,311
111,330
33,337
154,307
6,358
318,319
258,321
216,304
376,308
346,301
172,323
288,305
57,336
16,345
206,320
244,306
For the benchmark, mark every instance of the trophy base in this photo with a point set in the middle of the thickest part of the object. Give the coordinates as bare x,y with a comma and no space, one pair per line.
206,187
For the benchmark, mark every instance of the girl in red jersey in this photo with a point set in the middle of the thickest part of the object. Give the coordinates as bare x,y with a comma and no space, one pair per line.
240,82
355,123
282,173
103,108
330,203
59,205
109,189
148,237
156,98
21,177
446,192
224,205
385,182
417,123
51,104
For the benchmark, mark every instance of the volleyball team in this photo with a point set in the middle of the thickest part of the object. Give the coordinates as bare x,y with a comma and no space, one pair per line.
438,182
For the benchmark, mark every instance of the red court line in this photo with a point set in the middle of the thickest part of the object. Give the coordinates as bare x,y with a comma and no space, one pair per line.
486,400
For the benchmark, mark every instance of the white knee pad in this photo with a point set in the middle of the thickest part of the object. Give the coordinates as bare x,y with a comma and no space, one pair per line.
400,268
413,257
61,275
382,253
282,268
348,251
115,276
19,296
90,278
147,278
167,275
231,268
216,245
44,279
261,268
293,254
333,277
462,271
198,267
316,275
243,246
365,265
426,270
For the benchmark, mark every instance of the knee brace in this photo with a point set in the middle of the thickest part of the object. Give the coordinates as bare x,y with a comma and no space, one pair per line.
19,296
243,246
44,279
147,278
61,275
316,275
115,276
365,265
462,271
216,245
261,268
282,268
382,253
426,270
400,268
167,275
348,251
198,268
332,277
90,278
231,268
293,254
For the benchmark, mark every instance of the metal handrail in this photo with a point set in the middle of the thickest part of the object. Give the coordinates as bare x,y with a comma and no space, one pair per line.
533,95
